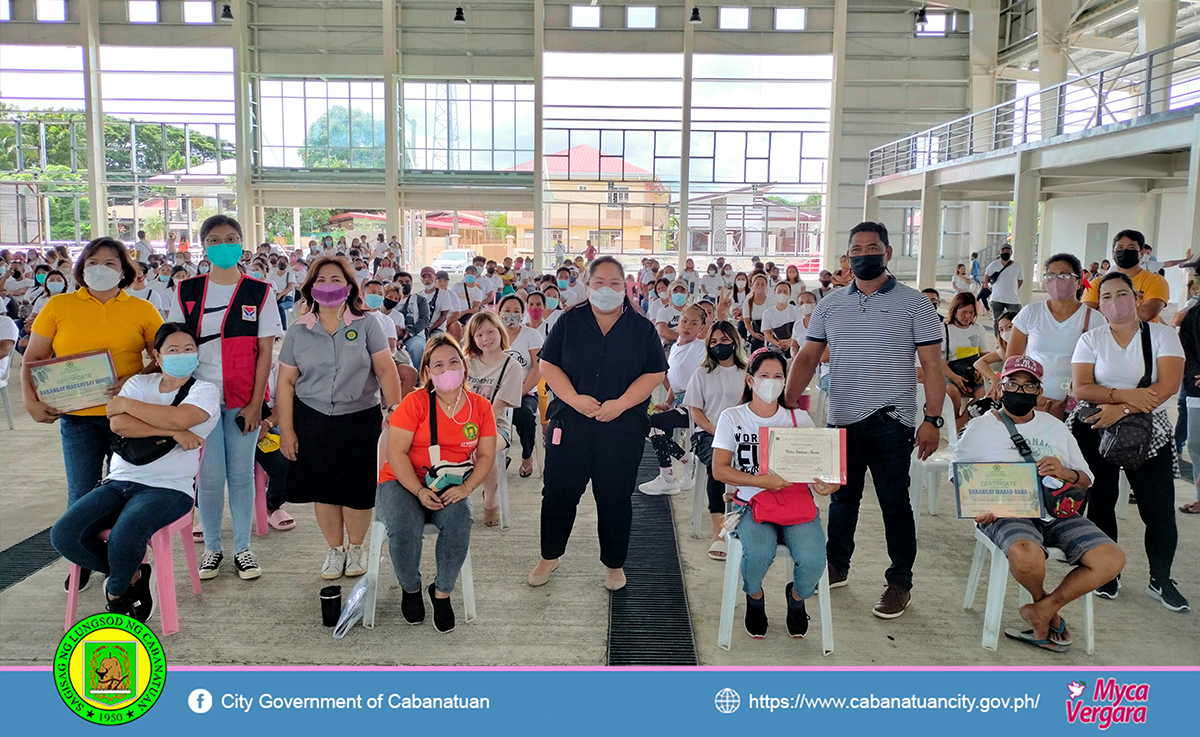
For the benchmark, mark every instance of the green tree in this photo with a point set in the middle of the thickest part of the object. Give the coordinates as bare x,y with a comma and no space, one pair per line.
279,221
498,227
342,139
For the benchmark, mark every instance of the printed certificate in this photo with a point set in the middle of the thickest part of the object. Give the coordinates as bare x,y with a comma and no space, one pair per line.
1004,489
71,383
801,454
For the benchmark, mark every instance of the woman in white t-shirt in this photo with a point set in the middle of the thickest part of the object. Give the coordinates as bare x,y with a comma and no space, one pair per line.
493,374
554,309
386,271
524,344
779,321
666,319
964,342
794,282
960,281
135,501
736,461
753,308
711,283
714,388
671,415
1048,331
659,298
1108,367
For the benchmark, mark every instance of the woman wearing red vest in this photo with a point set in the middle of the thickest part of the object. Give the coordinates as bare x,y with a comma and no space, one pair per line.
236,319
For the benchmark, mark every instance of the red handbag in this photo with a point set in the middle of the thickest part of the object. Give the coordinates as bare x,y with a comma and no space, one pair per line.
791,505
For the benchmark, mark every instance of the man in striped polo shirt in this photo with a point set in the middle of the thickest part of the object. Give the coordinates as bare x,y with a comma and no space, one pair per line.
873,328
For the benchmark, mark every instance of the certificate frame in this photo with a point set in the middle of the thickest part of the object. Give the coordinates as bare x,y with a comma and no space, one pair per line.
75,382
1016,492
817,441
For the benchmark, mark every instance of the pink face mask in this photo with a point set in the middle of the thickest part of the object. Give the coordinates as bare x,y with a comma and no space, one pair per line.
448,380
1060,289
330,295
1118,310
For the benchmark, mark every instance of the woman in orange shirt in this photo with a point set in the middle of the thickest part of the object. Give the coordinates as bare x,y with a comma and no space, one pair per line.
441,446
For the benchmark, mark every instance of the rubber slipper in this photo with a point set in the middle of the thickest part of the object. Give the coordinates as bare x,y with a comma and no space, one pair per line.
1193,508
281,520
198,535
1064,636
524,472
1029,638
717,550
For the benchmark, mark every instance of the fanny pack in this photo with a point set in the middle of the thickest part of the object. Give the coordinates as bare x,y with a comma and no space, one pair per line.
791,505
441,475
963,367
1058,497
1126,443
140,451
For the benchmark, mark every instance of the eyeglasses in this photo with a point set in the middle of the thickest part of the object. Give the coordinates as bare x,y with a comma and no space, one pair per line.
1059,277
218,241
1012,386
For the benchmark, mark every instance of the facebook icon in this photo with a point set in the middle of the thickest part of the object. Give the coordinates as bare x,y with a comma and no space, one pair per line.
200,700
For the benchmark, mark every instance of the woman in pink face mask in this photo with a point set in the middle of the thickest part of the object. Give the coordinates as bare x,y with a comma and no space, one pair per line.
1112,383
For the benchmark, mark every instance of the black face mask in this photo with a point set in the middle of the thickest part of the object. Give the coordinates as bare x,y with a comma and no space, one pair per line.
868,267
390,303
825,283
1005,256
721,351
406,289
1018,404
1127,258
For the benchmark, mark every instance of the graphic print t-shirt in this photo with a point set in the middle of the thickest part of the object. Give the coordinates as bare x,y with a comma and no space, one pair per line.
737,432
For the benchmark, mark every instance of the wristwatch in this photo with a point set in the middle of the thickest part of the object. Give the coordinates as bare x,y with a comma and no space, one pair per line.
935,420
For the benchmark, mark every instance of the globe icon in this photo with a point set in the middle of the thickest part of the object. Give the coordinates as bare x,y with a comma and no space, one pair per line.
728,701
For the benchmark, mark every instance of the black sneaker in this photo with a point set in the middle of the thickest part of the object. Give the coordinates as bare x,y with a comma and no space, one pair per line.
1110,589
246,565
797,618
1167,595
210,564
85,580
121,605
443,613
412,606
756,617
140,596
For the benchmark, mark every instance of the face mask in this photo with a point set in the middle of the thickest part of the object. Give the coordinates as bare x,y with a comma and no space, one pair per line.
1018,404
825,283
40,278
721,351
806,309
728,272
469,278
374,301
679,300
101,278
510,319
740,283
1007,256
406,289
563,283
1126,259
535,313
330,295
669,275
448,380
551,303
768,390
491,271
782,299
256,274
606,299
204,269
224,255
180,365
868,267
1005,334
1060,289
390,303
55,287
712,272
1119,310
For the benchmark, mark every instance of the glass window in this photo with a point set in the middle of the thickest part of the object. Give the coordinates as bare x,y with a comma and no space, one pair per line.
52,11
641,16
197,12
143,11
734,19
5,10
789,19
585,16
935,24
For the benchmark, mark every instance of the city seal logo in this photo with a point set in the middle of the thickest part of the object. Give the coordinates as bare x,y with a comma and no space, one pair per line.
470,431
351,335
109,669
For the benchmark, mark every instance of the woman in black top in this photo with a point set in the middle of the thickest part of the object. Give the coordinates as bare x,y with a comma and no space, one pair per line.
602,360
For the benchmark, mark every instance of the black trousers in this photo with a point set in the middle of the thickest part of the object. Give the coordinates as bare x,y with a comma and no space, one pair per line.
525,421
576,454
702,446
665,446
1154,485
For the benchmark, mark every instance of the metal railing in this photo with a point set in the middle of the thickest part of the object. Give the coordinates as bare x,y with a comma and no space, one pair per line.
1155,82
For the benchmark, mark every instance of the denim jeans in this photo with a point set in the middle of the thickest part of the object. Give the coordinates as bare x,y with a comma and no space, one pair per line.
86,444
1193,445
884,446
228,457
416,348
285,305
133,511
998,309
805,542
405,519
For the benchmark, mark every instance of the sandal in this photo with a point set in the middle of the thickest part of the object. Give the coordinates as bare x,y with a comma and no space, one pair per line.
281,520
1060,634
198,534
1193,508
491,517
1029,638
526,468
717,551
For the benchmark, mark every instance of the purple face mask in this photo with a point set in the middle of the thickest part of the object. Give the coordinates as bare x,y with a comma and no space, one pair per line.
330,295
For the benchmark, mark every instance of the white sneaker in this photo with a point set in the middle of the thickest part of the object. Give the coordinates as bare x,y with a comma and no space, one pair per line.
356,560
686,472
661,484
335,564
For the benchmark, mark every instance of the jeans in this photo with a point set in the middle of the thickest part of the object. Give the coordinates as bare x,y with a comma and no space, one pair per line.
285,304
86,444
805,542
228,457
405,518
416,348
884,446
998,309
1193,418
133,511
525,421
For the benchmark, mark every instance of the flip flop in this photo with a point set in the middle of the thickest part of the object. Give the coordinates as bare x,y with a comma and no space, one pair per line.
522,472
281,520
1193,508
198,536
1064,637
717,551
1029,638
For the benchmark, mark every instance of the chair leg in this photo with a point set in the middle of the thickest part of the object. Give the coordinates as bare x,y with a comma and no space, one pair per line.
826,612
699,500
72,596
260,501
502,491
189,555
997,584
7,406
976,571
1023,597
378,533
1123,491
1089,624
733,575
934,482
467,577
164,566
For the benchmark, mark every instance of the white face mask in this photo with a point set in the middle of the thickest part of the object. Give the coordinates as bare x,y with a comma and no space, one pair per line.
100,278
768,390
782,299
806,309
606,299
741,283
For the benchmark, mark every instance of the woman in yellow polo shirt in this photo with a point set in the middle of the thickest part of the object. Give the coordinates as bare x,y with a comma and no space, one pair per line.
99,315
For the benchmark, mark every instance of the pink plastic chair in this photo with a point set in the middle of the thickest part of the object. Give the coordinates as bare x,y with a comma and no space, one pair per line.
261,525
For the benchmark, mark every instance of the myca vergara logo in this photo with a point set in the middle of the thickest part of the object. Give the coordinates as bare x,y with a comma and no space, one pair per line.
109,669
1112,703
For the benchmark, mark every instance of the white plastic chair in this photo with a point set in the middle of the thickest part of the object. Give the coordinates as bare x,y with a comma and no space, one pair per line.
997,585
700,500
502,473
1123,492
4,395
927,474
378,535
732,589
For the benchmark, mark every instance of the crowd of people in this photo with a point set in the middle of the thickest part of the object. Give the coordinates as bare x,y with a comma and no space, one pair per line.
369,391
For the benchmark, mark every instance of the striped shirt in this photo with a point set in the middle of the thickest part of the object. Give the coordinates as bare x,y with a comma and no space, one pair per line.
872,341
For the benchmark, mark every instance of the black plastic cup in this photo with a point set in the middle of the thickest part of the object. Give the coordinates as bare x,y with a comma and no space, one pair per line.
331,605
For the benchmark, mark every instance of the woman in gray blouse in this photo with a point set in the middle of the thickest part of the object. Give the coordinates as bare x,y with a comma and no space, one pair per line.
333,365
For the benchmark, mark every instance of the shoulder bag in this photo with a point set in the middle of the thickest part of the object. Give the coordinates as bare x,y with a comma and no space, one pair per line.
141,451
441,475
1059,498
963,367
791,505
1126,443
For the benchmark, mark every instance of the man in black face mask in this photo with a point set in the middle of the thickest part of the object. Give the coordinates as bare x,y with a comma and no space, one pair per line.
874,328
1004,277
1097,559
1152,290
415,309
